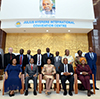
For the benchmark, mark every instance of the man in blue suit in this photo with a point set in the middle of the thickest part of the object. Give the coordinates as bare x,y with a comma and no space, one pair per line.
91,58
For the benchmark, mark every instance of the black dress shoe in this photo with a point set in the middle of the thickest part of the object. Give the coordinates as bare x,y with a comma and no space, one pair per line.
11,94
48,93
35,93
96,88
70,93
65,93
88,93
26,92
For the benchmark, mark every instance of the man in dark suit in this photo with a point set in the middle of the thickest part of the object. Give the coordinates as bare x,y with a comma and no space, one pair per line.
91,58
8,57
66,73
38,60
22,60
29,56
48,55
31,72
57,60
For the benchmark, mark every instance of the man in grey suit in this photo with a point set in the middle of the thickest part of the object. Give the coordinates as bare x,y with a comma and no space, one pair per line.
31,72
2,58
57,60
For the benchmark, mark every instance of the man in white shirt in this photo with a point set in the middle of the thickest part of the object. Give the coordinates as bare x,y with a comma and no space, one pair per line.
68,56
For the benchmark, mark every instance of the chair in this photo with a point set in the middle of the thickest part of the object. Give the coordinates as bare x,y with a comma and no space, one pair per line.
21,91
42,81
58,82
76,82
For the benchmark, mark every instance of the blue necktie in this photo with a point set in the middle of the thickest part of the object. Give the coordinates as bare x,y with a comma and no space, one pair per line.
48,54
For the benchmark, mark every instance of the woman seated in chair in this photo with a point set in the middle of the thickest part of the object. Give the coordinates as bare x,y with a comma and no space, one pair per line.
48,71
13,77
83,71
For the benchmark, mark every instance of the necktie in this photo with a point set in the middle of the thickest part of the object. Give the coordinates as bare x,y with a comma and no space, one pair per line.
48,54
31,67
10,56
21,60
65,68
39,60
92,55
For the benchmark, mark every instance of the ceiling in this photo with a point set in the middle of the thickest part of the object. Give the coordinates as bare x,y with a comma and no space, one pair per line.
46,30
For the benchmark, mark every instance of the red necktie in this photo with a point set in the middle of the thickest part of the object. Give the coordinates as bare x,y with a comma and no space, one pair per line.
31,67
21,60
10,56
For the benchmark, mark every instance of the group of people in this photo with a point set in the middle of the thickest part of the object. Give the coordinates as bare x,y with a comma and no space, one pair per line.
30,66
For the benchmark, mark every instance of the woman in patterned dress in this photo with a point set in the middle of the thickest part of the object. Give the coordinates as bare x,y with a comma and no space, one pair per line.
48,71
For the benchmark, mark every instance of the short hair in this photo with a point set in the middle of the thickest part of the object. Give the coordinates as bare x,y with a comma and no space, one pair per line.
49,58
66,50
42,2
12,60
79,51
65,58
39,49
31,58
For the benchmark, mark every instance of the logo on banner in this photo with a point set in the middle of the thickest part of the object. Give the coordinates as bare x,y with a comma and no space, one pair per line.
18,24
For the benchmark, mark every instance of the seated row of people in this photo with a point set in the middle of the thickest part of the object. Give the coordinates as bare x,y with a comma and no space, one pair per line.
13,73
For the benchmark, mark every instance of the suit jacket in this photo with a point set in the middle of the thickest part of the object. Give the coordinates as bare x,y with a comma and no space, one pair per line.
45,58
35,59
2,58
31,72
91,62
61,69
57,63
28,58
7,59
24,61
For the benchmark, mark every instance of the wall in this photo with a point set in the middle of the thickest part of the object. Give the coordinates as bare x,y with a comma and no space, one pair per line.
65,9
56,42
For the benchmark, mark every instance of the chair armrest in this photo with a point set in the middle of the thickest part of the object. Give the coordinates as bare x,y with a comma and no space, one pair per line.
93,83
4,78
57,83
75,84
40,83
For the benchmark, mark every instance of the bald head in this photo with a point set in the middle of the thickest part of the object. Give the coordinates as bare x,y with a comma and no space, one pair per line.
10,50
47,5
29,52
57,53
38,51
47,49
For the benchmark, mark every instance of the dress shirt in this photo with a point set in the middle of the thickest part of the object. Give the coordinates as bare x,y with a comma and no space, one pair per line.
38,59
66,68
